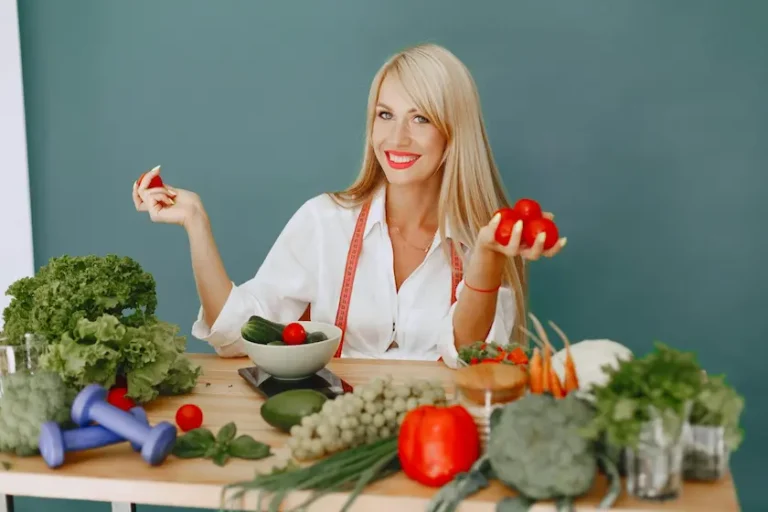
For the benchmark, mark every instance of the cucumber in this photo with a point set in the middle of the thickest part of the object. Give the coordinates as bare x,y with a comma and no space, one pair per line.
316,336
286,409
262,331
276,343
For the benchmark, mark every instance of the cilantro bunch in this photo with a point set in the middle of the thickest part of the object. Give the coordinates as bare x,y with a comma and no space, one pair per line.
665,380
719,405
97,316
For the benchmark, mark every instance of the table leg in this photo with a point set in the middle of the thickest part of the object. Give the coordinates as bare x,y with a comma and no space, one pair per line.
118,506
6,503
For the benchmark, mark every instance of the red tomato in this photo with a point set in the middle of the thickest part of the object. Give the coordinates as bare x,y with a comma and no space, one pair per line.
509,218
437,443
294,334
188,417
517,356
528,209
116,397
157,181
532,229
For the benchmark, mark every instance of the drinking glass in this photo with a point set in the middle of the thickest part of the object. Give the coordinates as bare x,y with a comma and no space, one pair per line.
19,358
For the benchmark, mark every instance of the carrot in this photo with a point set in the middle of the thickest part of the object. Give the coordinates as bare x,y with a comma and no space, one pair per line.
556,388
547,370
535,373
571,377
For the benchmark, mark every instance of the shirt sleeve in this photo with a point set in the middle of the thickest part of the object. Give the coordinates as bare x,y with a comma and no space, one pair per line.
280,291
501,329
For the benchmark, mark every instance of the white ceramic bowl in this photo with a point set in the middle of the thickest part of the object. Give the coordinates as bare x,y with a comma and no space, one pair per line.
293,362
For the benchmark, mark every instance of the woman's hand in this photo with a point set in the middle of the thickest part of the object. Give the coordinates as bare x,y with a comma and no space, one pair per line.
165,204
486,239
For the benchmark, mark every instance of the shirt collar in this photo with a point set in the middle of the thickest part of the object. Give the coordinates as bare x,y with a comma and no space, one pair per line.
377,213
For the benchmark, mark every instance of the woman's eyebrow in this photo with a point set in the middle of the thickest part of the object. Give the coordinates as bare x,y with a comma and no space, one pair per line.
386,107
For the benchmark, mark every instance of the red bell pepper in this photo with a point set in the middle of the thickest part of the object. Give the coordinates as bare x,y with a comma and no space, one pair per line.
437,443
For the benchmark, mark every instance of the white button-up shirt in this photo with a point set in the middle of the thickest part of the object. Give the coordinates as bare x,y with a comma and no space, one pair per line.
306,266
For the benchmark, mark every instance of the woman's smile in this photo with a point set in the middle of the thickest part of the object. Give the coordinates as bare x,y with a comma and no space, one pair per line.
400,160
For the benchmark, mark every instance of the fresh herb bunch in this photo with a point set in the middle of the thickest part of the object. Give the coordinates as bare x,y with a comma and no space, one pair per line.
201,443
97,316
719,405
511,353
665,379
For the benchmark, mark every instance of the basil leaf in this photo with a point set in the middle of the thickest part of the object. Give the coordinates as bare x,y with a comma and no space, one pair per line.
246,447
193,444
227,433
221,458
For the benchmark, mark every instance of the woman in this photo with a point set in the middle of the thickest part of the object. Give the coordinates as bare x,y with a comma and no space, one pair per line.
405,260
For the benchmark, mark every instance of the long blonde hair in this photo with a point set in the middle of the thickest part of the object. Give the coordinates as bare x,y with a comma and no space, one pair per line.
472,189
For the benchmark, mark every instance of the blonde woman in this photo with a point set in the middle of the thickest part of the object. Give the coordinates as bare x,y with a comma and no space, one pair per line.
405,260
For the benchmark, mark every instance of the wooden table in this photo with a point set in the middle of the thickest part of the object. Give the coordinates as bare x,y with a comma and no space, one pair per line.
117,474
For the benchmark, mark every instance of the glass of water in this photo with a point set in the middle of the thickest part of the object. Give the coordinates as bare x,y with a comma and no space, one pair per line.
19,357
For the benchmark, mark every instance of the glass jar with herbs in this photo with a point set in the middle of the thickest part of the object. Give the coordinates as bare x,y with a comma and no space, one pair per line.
643,409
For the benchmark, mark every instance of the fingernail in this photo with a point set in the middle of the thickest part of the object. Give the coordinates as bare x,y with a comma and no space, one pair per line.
155,168
496,217
565,241
518,225
171,200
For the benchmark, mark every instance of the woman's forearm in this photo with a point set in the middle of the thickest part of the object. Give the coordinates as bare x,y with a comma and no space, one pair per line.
213,283
475,310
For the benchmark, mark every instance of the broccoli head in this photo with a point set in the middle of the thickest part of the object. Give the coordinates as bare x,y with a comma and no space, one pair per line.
535,446
26,402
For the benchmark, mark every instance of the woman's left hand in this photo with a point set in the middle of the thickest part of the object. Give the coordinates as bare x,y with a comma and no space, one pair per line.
486,238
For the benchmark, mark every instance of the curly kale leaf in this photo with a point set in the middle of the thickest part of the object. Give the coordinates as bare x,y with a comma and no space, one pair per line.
28,401
70,288
536,447
151,357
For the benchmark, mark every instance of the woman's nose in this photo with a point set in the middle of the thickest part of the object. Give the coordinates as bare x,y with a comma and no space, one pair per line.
400,134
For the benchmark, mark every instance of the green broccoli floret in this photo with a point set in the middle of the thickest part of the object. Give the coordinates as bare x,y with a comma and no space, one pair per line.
26,402
535,447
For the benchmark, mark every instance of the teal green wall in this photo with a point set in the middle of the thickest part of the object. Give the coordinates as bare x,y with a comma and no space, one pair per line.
643,125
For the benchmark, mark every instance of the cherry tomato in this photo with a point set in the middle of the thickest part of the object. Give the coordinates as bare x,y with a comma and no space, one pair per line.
157,181
294,334
116,397
188,417
528,209
532,229
504,230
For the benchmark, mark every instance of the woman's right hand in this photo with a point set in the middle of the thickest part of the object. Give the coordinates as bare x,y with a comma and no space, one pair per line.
165,204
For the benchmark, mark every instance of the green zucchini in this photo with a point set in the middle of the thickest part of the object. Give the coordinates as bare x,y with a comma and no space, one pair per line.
286,409
262,331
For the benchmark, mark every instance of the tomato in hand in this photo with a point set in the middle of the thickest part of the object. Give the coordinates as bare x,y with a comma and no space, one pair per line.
156,182
188,417
509,218
532,229
116,397
437,443
294,334
528,209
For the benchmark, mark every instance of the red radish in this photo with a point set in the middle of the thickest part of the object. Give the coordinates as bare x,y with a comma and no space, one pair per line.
528,209
155,182
116,397
532,229
294,334
188,417
509,217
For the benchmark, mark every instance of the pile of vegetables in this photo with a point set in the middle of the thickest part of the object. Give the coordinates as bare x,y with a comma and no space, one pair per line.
266,332
97,317
492,352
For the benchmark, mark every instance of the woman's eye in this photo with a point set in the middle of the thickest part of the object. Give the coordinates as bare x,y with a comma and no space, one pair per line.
385,115
421,119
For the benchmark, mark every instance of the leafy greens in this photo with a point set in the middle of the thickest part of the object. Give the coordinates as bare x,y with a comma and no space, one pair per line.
97,316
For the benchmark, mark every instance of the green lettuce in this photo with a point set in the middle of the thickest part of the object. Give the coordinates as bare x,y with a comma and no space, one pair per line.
96,315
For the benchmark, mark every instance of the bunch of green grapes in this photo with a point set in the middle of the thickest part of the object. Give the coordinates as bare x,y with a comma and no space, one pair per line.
371,412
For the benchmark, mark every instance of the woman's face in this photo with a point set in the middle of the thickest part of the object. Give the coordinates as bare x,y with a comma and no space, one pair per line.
408,146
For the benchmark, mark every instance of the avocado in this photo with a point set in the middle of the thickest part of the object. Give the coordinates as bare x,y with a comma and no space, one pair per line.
316,336
286,409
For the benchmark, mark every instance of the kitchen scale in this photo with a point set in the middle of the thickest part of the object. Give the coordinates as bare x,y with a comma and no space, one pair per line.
324,381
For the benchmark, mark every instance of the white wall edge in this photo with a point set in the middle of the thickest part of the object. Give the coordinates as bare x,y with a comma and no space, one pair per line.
16,245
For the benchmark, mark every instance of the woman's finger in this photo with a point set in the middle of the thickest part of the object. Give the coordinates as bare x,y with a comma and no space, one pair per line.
157,195
147,179
534,253
556,248
548,215
135,195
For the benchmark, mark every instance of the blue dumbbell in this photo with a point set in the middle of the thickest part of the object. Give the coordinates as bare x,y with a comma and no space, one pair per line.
156,442
54,442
